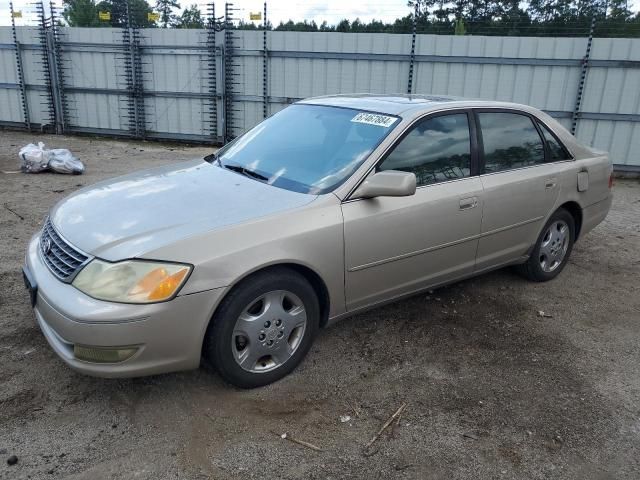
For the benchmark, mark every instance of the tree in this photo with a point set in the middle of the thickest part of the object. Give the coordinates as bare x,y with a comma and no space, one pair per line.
498,17
138,11
298,26
460,30
550,10
423,7
165,8
343,26
190,18
440,13
242,25
81,13
619,10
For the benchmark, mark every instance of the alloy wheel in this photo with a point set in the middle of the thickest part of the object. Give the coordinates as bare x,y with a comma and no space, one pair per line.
553,248
269,331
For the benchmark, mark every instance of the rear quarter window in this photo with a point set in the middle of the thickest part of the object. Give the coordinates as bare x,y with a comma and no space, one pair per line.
557,151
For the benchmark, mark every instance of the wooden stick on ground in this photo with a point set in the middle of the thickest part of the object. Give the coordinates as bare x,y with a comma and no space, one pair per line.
353,407
396,426
386,424
299,442
14,212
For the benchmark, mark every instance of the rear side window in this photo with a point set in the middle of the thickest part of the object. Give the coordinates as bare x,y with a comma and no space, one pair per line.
437,149
510,141
556,150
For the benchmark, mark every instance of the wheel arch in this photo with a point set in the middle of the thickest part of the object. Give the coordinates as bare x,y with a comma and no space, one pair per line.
576,212
313,277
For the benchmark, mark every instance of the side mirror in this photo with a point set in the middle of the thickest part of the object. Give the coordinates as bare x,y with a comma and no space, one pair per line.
388,183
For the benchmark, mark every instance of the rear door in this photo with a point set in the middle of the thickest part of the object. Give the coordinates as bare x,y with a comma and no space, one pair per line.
520,185
395,246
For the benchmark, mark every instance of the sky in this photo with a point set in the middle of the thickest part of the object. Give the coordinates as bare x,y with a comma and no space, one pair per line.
278,10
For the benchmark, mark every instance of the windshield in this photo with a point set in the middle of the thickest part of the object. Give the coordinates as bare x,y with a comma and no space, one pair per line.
307,148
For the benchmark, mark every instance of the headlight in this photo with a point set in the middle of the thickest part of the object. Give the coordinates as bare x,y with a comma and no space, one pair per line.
131,281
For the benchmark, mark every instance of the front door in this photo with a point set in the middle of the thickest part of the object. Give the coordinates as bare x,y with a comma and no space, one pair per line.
395,246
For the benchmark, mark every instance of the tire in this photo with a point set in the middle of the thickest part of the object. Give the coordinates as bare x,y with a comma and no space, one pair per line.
263,328
547,260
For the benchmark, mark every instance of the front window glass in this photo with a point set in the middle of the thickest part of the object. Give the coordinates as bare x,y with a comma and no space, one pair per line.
307,148
436,150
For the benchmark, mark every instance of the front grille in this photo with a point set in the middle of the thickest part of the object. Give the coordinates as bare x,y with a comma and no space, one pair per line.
62,259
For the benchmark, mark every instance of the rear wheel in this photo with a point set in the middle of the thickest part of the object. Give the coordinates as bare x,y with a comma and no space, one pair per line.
263,328
552,250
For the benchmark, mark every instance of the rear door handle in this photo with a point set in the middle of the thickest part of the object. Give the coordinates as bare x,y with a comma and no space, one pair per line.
467,203
550,183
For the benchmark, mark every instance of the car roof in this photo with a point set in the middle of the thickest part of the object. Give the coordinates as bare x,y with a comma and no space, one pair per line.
410,107
405,104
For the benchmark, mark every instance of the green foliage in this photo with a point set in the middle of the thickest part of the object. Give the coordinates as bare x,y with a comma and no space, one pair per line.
190,18
447,17
84,13
81,13
166,10
298,26
619,10
138,10
499,17
242,25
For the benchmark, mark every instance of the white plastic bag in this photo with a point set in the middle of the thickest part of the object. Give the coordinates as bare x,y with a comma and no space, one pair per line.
62,160
34,158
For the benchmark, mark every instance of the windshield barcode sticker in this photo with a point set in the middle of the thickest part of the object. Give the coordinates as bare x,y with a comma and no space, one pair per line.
374,119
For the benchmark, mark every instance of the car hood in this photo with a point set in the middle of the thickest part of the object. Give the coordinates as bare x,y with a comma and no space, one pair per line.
130,215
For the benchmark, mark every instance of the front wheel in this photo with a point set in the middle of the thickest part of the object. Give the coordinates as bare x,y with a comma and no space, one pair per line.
263,328
551,252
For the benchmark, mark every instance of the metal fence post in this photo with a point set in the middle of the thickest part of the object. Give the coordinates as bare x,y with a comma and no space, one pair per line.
131,111
583,78
20,71
45,60
413,50
133,74
55,67
55,86
229,73
58,91
265,67
212,74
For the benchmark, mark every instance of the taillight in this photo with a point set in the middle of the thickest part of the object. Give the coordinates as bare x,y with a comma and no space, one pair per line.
610,180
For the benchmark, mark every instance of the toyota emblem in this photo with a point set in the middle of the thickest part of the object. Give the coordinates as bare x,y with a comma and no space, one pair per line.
46,246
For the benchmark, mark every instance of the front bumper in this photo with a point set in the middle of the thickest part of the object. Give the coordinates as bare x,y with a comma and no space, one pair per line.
168,335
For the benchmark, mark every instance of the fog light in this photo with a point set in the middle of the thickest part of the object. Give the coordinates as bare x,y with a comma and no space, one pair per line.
103,355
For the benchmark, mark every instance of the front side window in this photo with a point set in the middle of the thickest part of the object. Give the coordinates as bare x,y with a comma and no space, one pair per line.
510,141
307,148
437,149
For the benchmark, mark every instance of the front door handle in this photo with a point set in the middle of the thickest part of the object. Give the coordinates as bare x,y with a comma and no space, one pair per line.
467,203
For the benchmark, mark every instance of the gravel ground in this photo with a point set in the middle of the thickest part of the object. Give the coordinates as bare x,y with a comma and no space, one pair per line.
493,390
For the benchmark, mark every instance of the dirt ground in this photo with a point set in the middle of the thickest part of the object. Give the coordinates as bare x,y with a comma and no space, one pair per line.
493,389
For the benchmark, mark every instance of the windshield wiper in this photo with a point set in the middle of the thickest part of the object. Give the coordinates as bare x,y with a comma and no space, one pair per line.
244,171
